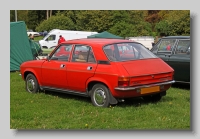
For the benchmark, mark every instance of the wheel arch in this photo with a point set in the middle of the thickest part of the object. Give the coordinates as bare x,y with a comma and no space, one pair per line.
44,47
91,83
31,72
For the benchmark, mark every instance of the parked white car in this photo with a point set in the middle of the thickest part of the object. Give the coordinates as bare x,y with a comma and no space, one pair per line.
32,32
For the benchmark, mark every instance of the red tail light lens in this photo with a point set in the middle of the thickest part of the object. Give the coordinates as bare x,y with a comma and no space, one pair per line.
173,75
123,81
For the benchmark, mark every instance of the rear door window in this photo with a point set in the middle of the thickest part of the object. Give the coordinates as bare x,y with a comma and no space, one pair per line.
183,47
83,53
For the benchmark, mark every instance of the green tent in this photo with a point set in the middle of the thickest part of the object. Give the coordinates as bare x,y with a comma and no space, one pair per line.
105,34
20,48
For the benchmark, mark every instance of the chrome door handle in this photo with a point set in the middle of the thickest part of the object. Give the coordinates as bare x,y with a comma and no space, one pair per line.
62,65
168,55
89,68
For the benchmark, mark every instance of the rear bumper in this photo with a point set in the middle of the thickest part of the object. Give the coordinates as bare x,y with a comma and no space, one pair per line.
143,86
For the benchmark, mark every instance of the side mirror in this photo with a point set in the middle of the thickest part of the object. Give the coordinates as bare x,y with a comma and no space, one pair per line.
48,58
188,52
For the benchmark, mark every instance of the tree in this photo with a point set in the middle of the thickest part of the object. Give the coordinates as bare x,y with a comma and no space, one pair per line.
153,18
56,22
48,14
22,15
12,15
34,18
93,20
176,22
130,23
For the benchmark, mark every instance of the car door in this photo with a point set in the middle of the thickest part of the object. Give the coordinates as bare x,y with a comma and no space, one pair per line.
51,41
81,68
164,49
180,61
54,70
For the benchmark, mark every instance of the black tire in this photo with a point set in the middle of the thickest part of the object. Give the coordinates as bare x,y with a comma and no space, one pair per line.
31,84
100,95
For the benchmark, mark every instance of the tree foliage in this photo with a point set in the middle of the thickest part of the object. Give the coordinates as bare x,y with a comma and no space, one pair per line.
93,20
56,22
176,22
125,23
22,15
34,18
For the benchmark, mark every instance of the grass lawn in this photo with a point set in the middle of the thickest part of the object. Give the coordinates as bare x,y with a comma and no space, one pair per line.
61,111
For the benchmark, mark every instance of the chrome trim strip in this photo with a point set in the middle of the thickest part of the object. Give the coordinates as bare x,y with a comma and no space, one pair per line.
142,86
182,82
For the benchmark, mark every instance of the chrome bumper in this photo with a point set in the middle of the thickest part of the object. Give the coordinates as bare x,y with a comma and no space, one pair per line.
143,86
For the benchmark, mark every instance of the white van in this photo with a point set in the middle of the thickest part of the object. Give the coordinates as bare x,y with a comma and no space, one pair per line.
51,39
145,40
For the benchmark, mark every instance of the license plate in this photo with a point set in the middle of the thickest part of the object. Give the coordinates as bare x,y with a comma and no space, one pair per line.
150,89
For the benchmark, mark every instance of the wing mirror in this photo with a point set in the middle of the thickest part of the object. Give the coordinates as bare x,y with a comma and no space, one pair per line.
188,51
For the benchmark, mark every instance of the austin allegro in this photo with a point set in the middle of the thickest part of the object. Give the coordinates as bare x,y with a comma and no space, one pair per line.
106,70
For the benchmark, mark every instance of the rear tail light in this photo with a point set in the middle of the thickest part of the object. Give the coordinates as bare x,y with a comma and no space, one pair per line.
123,81
173,75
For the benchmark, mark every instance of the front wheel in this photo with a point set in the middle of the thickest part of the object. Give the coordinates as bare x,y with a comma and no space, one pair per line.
100,95
31,84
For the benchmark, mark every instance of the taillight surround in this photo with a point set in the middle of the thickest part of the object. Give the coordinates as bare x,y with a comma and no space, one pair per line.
144,79
123,81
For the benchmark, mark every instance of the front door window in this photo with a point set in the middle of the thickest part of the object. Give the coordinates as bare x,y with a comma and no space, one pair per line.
166,45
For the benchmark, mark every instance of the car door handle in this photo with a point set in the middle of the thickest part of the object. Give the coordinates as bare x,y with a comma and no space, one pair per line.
168,55
62,65
89,68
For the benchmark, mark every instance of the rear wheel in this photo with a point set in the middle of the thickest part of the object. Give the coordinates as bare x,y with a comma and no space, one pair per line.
32,84
100,95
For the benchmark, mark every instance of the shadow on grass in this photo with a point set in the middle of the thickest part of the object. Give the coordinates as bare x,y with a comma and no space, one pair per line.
138,102
68,96
181,86
129,102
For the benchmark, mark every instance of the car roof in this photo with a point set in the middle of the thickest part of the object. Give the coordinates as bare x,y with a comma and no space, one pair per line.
176,37
99,41
97,44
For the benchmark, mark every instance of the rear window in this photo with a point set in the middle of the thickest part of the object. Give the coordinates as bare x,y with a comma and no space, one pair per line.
127,51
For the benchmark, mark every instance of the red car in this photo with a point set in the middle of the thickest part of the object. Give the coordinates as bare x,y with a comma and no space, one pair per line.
101,70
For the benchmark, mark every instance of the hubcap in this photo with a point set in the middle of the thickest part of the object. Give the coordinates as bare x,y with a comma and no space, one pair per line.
99,96
30,85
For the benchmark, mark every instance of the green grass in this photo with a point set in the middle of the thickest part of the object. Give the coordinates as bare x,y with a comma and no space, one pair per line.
38,38
61,111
